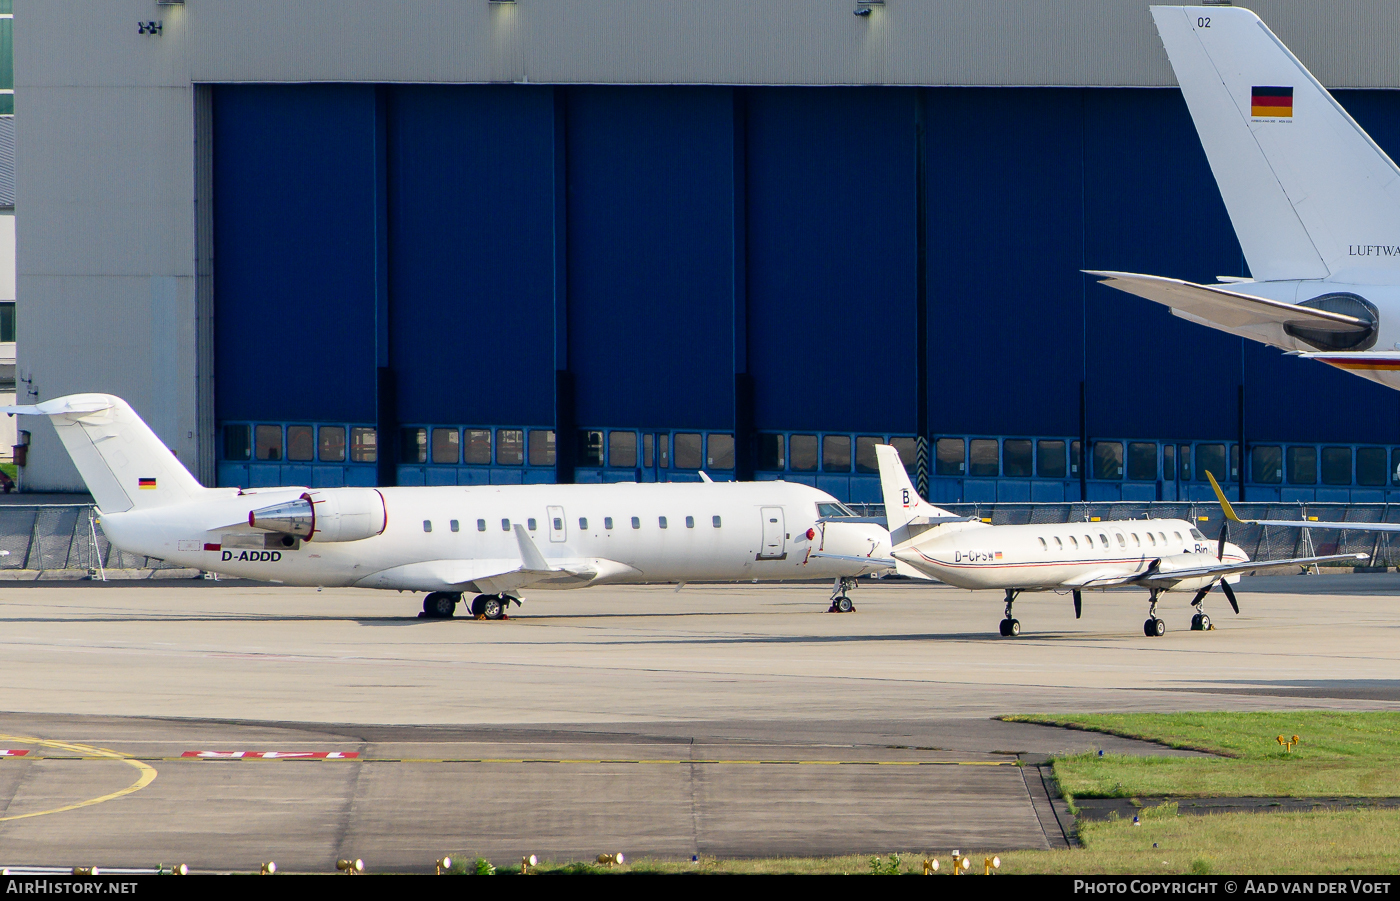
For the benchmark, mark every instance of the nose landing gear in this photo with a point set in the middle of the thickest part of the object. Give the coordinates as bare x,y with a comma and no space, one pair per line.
1154,627
1010,626
840,603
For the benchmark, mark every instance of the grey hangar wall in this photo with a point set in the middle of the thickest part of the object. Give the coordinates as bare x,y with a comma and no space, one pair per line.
752,260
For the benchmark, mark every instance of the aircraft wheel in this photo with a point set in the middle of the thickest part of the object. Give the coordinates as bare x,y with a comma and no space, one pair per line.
1010,628
1200,622
440,605
1205,623
1015,628
843,604
1154,628
492,606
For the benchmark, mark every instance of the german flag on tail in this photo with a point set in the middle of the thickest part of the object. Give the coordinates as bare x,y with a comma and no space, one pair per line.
145,484
1271,103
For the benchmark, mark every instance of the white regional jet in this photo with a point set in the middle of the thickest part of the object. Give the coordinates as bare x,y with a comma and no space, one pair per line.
491,540
1157,554
1314,201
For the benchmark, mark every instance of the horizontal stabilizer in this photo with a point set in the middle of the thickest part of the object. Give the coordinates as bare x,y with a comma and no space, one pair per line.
874,562
1378,366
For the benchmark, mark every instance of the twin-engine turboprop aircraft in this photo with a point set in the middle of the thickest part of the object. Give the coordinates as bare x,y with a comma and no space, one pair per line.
1314,201
492,541
1157,554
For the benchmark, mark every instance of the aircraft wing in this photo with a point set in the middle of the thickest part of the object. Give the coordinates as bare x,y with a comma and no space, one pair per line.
1240,314
1248,566
1377,365
1297,523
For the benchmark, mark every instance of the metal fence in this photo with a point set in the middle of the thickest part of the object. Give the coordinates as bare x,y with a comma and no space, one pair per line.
62,537
1260,542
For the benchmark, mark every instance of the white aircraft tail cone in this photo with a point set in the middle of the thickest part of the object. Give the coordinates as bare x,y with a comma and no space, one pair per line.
121,460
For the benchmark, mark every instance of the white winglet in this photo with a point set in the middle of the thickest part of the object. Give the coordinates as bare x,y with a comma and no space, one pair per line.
530,555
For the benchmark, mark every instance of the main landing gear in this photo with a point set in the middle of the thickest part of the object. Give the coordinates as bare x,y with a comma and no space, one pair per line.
1010,626
839,602
1154,627
491,606
443,604
440,604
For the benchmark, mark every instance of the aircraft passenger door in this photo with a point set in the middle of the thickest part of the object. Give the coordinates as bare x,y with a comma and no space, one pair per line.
774,538
558,528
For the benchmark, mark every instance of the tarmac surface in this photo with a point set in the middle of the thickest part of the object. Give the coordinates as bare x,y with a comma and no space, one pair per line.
713,720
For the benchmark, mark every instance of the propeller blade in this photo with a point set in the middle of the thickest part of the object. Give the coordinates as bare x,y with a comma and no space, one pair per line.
1200,595
1224,530
1230,595
1078,604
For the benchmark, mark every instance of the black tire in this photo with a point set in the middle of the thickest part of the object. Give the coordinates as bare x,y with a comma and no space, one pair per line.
479,605
1015,628
1196,622
1205,623
1004,627
493,606
1149,628
843,604
440,605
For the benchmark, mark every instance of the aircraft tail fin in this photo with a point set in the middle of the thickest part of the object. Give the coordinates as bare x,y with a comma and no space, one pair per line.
902,502
1309,193
122,462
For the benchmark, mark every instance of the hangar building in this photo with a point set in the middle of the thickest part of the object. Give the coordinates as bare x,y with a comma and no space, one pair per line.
456,242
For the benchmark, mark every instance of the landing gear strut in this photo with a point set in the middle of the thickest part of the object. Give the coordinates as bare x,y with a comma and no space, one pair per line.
839,602
1010,626
440,605
1154,627
490,606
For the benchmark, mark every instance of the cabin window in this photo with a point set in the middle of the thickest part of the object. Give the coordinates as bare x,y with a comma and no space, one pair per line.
530,524
982,459
1088,543
770,452
636,522
688,454
1151,542
1103,539
1050,459
481,525
559,524
413,445
505,525
364,445
1210,458
1137,542
802,453
332,444
510,447
1302,466
301,443
1073,543
1163,536
1178,535
622,449
866,460
607,522
236,446
719,451
1059,545
661,521
542,447
949,457
447,446
1336,464
1142,461
1043,545
454,525
583,522
714,521
1122,542
1370,466
476,447
427,525
268,442
1016,458
590,448
1266,463
690,522
836,453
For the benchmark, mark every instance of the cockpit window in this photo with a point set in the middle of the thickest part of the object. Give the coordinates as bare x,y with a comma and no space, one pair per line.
1196,534
828,510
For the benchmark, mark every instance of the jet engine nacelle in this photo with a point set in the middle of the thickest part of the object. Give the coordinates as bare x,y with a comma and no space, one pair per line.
335,514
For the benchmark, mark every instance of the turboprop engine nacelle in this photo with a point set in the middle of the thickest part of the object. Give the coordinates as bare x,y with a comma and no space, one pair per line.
336,514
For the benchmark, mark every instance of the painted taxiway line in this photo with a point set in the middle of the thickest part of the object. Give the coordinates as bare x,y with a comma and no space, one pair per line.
534,760
148,772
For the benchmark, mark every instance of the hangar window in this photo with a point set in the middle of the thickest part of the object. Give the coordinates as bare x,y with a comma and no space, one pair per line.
836,453
301,443
1370,466
1016,458
590,448
949,457
454,525
663,451
661,522
648,450
481,525
770,452
719,451
1169,462
541,447
690,522
364,445
688,452
237,445
1235,462
636,522
413,445
607,522
1183,459
908,454
1302,466
427,525
332,443
1142,461
505,525
1076,458
447,446
714,521
1108,459
1266,463
1395,466
531,524
622,449
802,453
1043,545
1050,459
7,310
510,447
268,442
866,461
476,447
1210,458
982,458
1336,466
